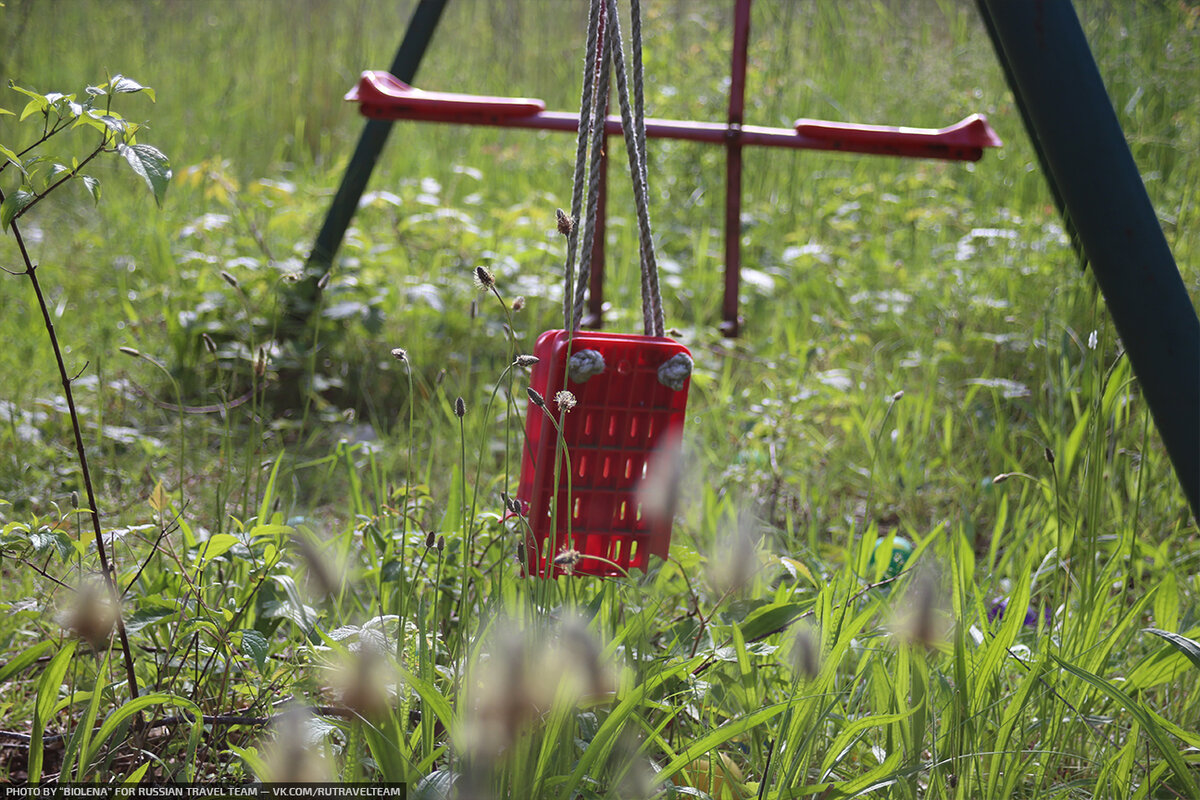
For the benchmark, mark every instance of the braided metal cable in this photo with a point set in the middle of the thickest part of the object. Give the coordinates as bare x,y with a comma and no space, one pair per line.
651,297
595,168
585,105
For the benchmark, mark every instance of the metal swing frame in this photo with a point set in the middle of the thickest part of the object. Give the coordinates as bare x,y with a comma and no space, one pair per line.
1069,117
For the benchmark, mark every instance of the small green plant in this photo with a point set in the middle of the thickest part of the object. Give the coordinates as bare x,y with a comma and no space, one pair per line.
41,174
339,596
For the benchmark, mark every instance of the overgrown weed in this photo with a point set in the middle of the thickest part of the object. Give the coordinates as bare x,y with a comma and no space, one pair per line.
865,278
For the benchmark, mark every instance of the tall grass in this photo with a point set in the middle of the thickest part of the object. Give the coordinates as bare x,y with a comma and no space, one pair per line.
353,556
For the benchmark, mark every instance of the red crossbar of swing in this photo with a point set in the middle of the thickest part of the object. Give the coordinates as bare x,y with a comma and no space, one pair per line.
380,95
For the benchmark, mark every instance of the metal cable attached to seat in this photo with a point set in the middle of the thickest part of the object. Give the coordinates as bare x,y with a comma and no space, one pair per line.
610,55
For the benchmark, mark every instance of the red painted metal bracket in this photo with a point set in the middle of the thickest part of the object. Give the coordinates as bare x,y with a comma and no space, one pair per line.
963,141
382,96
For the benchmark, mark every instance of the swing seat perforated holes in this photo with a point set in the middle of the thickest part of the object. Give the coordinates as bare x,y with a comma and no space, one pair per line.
624,417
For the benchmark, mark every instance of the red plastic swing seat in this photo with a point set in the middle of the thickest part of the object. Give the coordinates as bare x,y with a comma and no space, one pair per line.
624,422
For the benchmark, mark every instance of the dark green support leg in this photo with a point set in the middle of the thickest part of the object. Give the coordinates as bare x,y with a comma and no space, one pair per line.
1085,157
303,299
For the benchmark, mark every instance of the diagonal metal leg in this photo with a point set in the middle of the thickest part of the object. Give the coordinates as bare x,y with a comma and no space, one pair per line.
1070,118
370,144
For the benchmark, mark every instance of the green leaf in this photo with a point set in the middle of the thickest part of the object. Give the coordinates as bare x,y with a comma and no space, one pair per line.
1189,647
23,660
86,725
718,737
217,545
1153,729
44,541
33,106
47,698
767,619
150,611
122,85
253,760
437,785
12,158
151,164
114,122
93,187
1166,604
134,706
13,204
6,111
255,644
27,92
841,746
135,777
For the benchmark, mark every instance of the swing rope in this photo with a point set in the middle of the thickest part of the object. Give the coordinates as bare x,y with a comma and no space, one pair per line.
593,108
585,108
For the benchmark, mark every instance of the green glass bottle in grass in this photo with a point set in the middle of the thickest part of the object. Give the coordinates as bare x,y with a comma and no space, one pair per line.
901,549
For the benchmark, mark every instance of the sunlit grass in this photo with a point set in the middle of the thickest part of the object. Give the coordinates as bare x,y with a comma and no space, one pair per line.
913,331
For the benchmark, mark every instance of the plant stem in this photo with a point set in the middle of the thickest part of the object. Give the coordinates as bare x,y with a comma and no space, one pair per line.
80,451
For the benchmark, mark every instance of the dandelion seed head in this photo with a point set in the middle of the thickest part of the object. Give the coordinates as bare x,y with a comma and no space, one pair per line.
366,684
736,561
521,674
92,614
293,756
400,354
325,576
806,651
923,618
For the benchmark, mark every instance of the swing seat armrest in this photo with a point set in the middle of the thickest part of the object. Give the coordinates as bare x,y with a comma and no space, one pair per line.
381,95
966,138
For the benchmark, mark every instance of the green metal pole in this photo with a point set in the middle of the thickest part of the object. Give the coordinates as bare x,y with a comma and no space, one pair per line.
1083,151
370,144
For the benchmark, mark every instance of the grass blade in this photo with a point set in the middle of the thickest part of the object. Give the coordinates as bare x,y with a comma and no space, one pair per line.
718,737
1153,729
47,699
131,707
23,660
1188,647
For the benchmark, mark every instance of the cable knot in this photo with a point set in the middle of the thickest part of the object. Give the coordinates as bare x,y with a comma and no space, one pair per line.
675,371
585,364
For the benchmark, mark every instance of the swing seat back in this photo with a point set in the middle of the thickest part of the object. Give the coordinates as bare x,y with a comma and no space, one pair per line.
616,490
